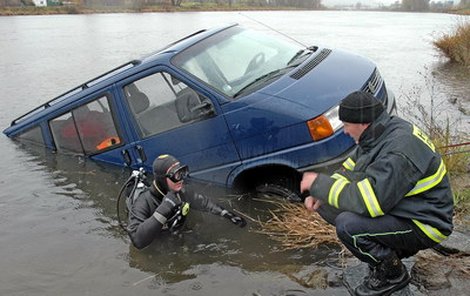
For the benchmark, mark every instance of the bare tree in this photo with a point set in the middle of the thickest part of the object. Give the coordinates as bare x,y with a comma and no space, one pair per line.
176,2
297,3
12,3
415,5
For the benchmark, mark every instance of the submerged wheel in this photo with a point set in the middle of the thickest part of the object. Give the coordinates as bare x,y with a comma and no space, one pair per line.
284,187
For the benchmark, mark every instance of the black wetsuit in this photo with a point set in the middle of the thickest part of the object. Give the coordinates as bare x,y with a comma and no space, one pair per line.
144,227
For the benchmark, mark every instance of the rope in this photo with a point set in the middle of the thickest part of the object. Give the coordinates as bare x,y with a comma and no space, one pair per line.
456,145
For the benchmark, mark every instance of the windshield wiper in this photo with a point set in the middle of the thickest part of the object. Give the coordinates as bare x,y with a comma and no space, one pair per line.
309,50
296,55
262,78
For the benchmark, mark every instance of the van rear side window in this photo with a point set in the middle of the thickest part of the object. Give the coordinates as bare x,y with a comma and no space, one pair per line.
88,129
33,135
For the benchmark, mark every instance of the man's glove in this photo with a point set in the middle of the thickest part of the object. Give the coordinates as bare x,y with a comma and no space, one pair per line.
237,220
167,208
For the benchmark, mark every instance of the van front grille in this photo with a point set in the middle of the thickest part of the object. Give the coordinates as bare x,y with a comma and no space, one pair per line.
373,84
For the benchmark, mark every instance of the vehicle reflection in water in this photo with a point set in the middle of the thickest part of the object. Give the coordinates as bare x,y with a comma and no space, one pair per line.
206,242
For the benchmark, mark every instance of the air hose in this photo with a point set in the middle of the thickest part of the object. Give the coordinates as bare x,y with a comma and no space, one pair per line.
127,190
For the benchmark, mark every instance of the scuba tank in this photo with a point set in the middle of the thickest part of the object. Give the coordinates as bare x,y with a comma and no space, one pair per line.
130,190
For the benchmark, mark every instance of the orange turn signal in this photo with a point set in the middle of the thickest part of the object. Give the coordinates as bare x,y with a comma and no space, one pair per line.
320,128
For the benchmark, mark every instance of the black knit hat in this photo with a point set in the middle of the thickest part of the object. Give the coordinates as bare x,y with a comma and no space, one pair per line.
360,107
160,167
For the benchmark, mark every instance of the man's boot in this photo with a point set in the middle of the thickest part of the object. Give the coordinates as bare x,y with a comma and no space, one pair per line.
387,277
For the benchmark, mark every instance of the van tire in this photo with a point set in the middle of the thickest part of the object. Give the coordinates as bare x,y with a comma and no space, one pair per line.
276,188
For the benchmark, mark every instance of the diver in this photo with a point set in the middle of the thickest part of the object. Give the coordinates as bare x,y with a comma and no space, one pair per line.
164,204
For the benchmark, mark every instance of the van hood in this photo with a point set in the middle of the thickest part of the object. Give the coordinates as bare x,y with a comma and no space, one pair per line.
324,85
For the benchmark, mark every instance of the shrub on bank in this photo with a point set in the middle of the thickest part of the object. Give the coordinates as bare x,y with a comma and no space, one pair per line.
445,133
456,46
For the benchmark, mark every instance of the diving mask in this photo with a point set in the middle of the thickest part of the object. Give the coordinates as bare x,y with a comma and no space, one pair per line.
178,173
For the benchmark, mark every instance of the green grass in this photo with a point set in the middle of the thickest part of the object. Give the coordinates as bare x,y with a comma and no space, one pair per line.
461,190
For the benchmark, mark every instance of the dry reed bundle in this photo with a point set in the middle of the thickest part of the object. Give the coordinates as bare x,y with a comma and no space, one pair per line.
456,46
295,227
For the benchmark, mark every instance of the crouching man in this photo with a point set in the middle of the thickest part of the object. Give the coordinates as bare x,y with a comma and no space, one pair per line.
391,199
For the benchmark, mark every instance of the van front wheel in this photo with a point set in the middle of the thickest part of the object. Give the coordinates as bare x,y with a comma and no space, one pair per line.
283,187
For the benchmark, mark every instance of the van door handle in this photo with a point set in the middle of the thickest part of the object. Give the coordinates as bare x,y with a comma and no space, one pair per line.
127,157
141,152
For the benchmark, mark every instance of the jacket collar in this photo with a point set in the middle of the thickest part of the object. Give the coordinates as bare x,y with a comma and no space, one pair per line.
375,130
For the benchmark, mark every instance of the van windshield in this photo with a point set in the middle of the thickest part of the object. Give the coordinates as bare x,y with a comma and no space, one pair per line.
233,60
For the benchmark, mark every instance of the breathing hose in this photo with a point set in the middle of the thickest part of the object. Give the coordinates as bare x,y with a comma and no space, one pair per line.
133,180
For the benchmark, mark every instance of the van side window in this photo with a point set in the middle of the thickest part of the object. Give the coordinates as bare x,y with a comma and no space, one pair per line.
87,129
160,102
33,135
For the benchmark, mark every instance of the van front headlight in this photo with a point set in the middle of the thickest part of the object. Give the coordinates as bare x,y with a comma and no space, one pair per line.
324,125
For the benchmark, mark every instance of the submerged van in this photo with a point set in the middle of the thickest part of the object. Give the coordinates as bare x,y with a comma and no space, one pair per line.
241,108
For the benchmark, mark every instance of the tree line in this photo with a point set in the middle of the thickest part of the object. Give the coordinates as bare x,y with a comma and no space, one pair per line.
282,3
407,5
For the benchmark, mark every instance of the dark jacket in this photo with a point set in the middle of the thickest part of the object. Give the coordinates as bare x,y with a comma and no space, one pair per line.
395,171
144,228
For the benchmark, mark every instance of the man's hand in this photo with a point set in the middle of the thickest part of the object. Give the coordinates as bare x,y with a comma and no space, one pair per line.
168,207
307,180
312,204
237,220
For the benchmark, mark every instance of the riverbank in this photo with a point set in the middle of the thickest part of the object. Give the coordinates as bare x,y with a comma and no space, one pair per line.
185,7
73,9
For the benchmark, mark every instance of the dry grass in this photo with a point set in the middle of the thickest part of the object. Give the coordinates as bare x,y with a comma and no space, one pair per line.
456,46
456,158
294,227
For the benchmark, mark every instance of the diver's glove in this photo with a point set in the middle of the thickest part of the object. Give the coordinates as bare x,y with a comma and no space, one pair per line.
167,208
237,220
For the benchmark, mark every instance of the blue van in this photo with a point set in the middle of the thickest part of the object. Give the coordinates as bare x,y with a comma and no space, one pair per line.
241,108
